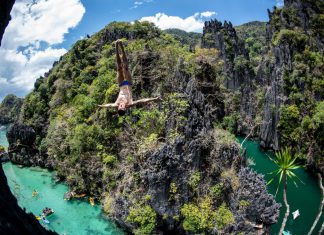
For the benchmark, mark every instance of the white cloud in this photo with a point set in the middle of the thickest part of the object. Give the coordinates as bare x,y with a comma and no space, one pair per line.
194,23
138,3
208,13
279,3
27,47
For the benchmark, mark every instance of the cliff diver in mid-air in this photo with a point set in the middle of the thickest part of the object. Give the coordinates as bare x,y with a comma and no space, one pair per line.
124,79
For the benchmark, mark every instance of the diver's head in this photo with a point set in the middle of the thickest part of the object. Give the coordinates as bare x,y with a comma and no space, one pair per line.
121,109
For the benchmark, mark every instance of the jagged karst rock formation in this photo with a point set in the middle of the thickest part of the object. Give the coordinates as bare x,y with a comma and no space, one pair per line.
22,147
293,32
224,38
238,72
200,151
284,78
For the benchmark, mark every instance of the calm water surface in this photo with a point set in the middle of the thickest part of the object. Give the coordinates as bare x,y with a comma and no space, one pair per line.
3,139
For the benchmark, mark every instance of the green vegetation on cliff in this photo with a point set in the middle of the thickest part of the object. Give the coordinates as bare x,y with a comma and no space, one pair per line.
10,109
254,36
301,121
147,165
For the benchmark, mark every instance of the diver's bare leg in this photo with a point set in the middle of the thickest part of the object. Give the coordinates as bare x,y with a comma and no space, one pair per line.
120,75
127,74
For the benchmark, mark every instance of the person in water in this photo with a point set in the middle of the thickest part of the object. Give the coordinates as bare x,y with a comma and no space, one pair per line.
35,193
124,79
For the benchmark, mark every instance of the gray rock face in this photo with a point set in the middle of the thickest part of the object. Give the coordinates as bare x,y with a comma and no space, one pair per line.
274,96
271,69
268,130
22,149
252,189
224,38
21,134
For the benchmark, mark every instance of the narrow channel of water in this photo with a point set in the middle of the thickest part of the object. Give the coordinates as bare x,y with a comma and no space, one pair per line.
70,217
3,138
306,197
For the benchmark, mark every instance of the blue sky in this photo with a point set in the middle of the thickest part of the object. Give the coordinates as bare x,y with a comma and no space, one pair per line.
43,30
100,12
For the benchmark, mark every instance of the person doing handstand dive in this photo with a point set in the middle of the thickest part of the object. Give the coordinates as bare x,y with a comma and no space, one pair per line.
124,79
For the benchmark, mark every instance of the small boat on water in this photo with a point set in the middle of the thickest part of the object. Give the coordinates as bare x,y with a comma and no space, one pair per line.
295,214
47,211
34,193
286,233
91,200
69,195
78,195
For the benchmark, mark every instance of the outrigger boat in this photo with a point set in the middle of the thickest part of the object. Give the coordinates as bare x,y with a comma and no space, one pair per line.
69,195
47,211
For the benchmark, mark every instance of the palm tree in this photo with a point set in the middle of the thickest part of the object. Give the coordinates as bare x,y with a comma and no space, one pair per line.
286,164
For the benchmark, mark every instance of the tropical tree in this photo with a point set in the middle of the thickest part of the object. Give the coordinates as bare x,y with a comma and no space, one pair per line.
286,164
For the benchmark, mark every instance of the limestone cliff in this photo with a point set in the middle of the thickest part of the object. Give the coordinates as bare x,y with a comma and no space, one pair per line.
157,161
10,109
278,99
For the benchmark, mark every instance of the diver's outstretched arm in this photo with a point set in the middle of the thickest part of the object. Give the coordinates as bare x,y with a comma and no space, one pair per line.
145,101
112,105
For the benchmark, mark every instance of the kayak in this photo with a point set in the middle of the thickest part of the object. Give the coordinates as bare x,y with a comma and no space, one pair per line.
45,221
91,201
42,219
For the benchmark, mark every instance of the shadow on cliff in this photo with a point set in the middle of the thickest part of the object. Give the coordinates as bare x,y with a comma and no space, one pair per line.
13,219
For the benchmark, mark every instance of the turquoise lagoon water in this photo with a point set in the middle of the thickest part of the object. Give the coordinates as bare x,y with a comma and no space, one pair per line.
306,197
3,139
70,217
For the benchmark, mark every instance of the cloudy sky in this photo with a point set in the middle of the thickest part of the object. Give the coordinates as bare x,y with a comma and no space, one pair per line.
43,30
